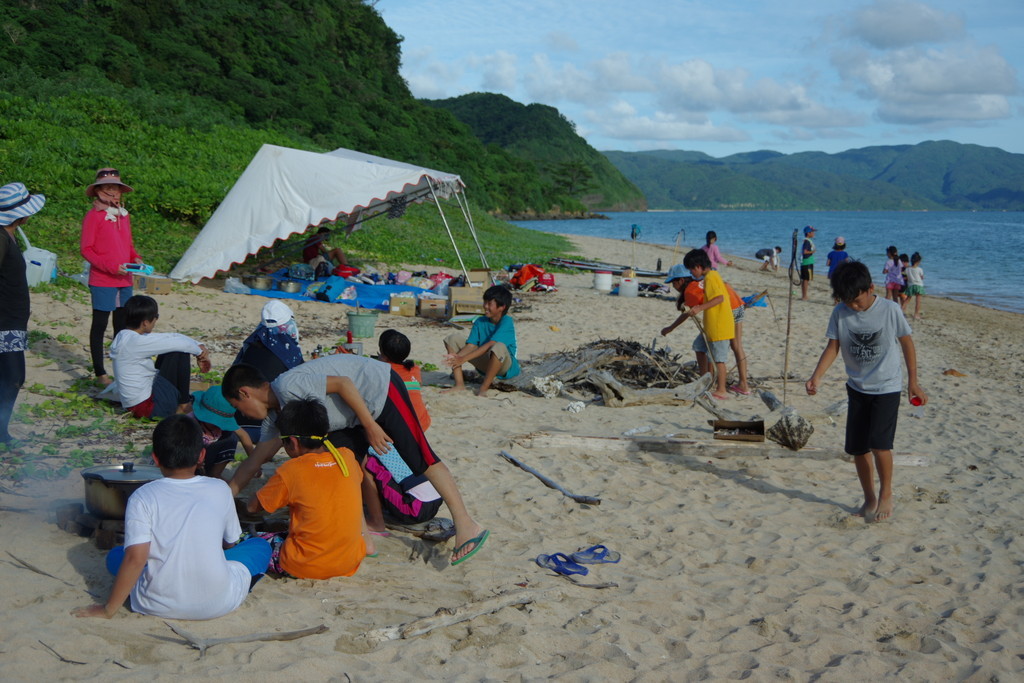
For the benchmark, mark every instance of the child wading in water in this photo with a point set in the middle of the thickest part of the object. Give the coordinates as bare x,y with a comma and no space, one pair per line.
915,283
869,331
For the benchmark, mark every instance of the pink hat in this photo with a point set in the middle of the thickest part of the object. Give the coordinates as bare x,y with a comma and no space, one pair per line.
840,242
106,176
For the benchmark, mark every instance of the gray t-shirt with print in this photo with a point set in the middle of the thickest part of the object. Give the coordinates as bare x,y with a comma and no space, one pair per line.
309,380
869,341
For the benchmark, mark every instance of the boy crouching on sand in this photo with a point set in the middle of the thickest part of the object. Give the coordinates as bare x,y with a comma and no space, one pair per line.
151,389
491,344
179,558
868,330
321,487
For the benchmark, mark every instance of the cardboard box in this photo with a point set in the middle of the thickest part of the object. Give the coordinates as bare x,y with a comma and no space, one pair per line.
403,305
434,308
730,430
480,277
466,300
151,284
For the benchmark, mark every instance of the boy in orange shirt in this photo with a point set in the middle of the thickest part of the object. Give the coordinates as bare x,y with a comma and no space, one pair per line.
321,487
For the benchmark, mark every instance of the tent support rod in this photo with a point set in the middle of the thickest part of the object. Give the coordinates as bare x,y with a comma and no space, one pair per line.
463,201
444,220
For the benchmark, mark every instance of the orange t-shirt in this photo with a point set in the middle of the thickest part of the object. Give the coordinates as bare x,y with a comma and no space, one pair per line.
326,508
414,385
693,295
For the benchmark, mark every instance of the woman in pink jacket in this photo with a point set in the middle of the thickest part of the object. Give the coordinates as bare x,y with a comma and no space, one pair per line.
108,246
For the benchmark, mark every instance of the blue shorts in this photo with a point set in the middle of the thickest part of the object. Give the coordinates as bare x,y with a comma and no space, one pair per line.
254,553
870,421
719,349
109,298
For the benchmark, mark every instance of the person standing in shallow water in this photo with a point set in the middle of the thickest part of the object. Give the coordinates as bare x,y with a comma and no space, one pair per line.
108,246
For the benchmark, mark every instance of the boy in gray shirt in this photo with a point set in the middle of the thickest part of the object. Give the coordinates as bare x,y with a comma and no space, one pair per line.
869,332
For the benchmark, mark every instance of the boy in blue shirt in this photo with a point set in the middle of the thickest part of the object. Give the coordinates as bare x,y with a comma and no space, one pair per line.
490,346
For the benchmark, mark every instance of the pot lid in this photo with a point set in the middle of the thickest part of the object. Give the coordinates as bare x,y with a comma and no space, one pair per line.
125,472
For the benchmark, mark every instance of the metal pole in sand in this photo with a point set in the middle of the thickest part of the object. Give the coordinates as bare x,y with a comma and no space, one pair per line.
789,318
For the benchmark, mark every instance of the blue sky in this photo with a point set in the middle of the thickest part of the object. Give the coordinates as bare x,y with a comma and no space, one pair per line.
732,76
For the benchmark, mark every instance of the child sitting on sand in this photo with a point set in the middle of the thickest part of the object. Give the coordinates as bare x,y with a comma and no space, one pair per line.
490,346
393,349
367,406
151,389
179,558
221,433
321,487
868,330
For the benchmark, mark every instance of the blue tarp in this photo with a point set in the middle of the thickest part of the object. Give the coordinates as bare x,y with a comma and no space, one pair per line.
377,297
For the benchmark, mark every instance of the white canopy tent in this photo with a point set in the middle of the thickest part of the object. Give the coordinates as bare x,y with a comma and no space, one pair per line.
284,191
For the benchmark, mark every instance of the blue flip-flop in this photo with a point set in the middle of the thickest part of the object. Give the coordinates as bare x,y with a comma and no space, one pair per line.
597,554
479,541
560,564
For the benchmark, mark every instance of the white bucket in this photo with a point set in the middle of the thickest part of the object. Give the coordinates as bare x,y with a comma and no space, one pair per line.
602,281
628,286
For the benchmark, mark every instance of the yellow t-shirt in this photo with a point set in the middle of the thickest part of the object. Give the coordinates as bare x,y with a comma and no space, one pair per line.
718,322
326,507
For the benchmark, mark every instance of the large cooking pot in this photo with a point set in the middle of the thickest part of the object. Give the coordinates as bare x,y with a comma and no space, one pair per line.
290,286
258,282
107,487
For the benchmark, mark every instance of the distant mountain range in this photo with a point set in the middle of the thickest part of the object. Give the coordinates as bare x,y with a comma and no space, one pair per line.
932,175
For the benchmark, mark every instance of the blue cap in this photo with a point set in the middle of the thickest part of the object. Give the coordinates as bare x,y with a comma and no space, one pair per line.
677,271
809,229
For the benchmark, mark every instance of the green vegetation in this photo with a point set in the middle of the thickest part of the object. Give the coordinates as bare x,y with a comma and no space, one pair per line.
928,176
577,178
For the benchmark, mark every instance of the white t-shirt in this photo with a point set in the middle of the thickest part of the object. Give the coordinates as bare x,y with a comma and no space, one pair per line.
133,353
915,276
186,522
309,380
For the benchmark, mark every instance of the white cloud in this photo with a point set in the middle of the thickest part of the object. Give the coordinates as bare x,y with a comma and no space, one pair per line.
615,72
914,85
887,24
621,121
550,84
500,71
559,40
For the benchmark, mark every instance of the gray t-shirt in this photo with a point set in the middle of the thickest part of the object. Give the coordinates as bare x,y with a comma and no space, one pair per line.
309,380
869,341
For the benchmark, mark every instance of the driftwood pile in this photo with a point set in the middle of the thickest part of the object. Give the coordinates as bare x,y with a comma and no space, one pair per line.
624,373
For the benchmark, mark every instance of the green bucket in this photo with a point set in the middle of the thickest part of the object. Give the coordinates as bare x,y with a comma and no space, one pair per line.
361,323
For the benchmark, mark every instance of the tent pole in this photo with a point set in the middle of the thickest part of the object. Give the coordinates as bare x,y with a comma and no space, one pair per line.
444,220
464,205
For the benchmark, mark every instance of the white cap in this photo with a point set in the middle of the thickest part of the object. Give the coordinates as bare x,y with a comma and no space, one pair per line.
276,313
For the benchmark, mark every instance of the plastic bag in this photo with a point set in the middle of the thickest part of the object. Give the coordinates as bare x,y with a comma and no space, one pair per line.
234,286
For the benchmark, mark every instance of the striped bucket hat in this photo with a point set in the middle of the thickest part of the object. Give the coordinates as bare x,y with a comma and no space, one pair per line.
16,202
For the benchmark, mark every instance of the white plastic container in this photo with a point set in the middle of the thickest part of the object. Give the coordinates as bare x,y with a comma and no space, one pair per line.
628,286
602,280
40,265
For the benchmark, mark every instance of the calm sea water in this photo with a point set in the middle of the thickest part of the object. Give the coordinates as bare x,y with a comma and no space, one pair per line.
972,257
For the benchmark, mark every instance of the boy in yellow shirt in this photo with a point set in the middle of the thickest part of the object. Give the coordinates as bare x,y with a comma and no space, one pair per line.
719,327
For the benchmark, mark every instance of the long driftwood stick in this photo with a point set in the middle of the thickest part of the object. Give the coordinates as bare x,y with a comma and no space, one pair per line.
202,644
59,655
446,616
550,483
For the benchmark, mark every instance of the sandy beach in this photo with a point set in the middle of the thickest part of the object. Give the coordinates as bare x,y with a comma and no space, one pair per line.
741,563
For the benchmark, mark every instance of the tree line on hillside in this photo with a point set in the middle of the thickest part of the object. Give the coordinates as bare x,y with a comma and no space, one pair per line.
932,176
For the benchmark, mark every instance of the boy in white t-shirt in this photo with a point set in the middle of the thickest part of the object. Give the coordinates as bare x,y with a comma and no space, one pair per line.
180,559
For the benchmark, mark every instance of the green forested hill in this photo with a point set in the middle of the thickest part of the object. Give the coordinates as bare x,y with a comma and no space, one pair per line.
930,175
180,95
541,134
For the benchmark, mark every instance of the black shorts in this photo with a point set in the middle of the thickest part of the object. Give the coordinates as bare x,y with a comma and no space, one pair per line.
870,421
807,272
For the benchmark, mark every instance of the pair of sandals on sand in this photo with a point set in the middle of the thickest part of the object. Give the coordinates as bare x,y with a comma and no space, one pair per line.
565,565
